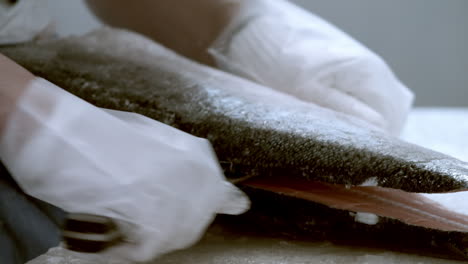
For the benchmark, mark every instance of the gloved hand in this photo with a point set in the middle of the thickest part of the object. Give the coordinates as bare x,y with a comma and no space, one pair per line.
282,46
162,186
24,20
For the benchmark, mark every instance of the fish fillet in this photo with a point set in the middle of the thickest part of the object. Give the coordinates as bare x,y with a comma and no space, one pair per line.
287,154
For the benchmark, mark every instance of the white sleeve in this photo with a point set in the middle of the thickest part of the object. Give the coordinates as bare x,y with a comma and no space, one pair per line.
282,46
161,185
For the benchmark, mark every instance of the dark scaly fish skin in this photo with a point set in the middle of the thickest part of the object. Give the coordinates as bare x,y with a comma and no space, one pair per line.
275,215
271,136
254,131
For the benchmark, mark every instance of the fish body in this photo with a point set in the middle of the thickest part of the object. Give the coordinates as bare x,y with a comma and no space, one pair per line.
266,137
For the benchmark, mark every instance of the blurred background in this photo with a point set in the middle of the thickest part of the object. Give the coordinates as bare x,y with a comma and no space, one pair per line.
424,41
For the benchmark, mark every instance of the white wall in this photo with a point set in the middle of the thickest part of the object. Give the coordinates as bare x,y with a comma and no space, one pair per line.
425,41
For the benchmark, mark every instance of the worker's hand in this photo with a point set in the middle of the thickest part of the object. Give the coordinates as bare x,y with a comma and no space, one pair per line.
24,20
162,186
276,44
286,48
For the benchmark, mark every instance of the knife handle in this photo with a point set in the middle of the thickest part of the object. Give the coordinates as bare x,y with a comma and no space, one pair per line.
89,233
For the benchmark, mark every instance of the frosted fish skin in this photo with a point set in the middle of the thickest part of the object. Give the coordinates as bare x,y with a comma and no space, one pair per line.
254,130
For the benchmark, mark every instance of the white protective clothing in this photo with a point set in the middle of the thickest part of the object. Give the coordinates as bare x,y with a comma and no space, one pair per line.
161,185
280,45
23,21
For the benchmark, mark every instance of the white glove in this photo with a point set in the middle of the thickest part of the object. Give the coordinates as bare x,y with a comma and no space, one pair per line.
161,185
24,21
280,45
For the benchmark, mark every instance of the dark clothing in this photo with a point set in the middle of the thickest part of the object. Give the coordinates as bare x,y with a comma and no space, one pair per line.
28,226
